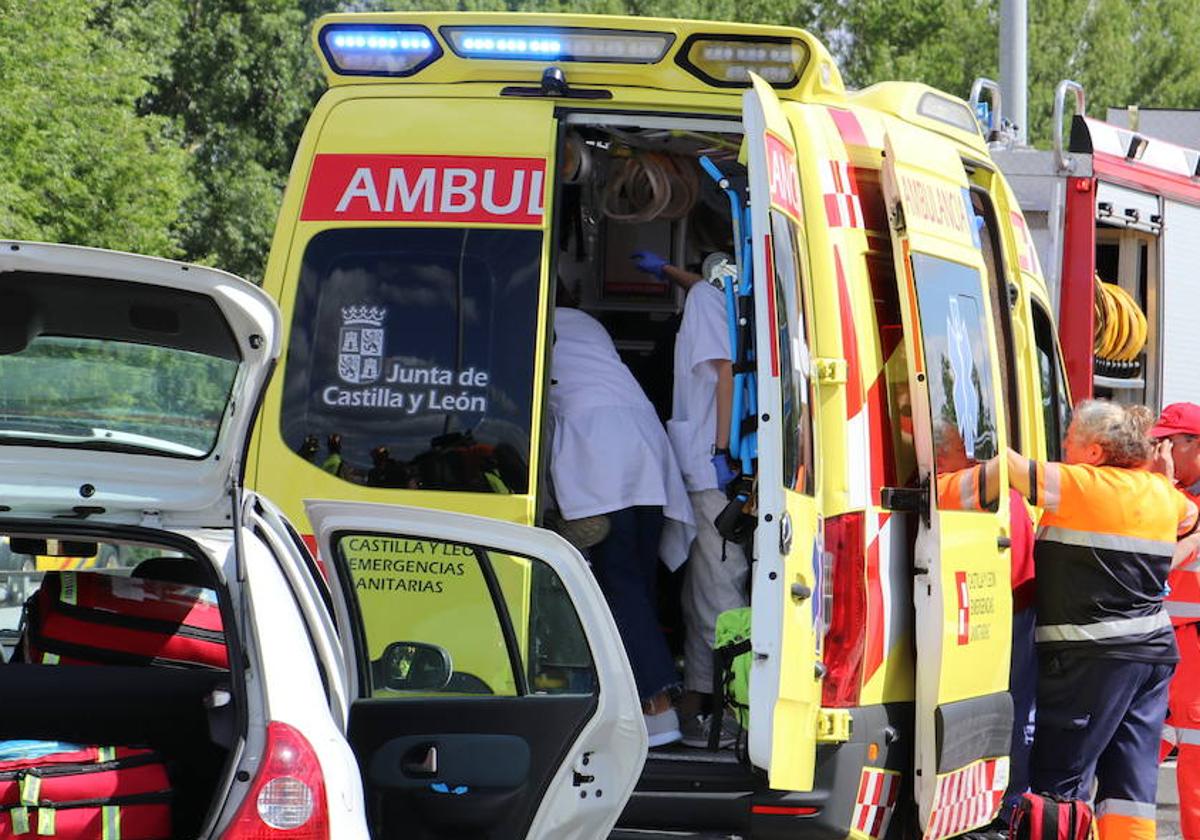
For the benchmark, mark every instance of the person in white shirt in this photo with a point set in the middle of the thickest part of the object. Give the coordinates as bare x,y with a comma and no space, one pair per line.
716,580
610,455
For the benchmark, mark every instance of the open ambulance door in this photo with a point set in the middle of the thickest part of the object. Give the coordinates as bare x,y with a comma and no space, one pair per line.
961,588
415,298
785,685
547,747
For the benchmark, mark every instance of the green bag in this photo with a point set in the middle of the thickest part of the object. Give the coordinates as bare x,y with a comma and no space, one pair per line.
732,654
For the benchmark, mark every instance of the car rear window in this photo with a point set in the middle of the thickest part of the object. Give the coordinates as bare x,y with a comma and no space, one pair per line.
411,356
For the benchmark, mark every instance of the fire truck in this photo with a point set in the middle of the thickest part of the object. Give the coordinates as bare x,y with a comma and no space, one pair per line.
1114,214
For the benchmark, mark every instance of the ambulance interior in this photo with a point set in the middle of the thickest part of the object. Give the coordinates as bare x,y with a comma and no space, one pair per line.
187,713
636,184
630,184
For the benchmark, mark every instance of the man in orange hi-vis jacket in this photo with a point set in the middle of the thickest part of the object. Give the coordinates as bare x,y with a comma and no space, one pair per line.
1178,456
1106,653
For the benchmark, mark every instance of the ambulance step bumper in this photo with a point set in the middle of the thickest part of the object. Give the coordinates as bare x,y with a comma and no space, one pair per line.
677,798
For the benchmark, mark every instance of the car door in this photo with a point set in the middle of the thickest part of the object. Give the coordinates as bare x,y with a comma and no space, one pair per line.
961,589
547,741
785,686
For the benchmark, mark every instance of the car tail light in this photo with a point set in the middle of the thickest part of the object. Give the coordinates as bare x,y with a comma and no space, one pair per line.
845,640
287,798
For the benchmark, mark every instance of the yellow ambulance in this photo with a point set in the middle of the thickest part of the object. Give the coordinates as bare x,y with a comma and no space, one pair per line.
897,330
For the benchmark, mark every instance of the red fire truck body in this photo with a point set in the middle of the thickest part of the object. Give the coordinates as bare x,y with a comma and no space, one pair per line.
1114,203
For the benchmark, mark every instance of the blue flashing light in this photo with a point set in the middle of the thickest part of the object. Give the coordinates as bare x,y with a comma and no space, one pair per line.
522,43
350,40
493,44
378,50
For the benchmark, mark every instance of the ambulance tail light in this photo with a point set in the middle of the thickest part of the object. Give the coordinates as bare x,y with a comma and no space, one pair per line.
378,49
845,641
287,797
728,60
527,43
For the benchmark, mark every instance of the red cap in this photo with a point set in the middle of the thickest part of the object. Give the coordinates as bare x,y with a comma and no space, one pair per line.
1178,419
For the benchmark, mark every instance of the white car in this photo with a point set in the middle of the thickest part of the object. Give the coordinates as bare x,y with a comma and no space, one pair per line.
129,389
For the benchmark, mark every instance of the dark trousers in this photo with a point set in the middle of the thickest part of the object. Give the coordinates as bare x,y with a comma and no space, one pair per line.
1100,718
1022,685
625,566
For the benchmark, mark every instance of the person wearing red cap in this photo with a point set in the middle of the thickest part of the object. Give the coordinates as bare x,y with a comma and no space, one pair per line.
1177,455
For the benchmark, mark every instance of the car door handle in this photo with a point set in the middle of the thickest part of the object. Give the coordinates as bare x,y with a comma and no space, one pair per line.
1003,542
421,761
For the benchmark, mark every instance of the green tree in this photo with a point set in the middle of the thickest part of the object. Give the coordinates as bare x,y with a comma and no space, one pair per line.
80,164
241,85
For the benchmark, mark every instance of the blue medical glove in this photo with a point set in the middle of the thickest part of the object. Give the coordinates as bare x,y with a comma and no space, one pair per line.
649,262
725,473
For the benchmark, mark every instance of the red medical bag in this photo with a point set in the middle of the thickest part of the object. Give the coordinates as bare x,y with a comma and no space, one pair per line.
91,618
74,792
1046,818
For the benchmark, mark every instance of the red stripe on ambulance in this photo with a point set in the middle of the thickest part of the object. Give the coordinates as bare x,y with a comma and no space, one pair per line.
784,177
426,188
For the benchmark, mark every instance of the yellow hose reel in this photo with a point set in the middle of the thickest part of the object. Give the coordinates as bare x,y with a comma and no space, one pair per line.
1120,332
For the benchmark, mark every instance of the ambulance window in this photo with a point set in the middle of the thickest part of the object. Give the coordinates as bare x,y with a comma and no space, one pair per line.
997,282
958,365
1056,404
793,357
504,622
411,357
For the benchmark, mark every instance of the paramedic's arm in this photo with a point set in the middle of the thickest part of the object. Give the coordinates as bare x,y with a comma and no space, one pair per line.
687,279
1189,537
991,481
1019,475
1185,550
724,401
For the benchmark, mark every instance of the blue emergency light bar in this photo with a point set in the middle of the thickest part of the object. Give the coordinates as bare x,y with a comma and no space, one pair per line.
378,49
525,43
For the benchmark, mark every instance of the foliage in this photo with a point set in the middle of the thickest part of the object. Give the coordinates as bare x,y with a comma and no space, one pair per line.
240,87
168,126
81,164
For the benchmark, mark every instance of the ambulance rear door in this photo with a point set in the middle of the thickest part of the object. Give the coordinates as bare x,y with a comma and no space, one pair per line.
785,684
961,588
415,297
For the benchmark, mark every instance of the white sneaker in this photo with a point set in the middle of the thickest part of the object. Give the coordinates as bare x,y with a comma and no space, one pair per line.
696,731
663,728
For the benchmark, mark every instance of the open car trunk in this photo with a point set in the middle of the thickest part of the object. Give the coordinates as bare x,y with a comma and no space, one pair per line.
67,682
163,709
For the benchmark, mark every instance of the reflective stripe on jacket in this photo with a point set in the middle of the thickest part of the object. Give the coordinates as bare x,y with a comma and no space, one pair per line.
1183,599
1102,555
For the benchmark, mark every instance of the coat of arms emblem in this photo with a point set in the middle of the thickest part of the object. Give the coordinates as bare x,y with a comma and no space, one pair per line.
360,344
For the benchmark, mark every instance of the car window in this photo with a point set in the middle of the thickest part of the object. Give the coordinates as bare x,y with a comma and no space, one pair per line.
411,356
21,572
100,394
1056,403
794,358
503,622
958,364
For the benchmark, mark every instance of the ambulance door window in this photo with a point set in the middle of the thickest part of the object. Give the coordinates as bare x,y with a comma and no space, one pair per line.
794,359
1056,404
411,358
504,622
997,283
961,396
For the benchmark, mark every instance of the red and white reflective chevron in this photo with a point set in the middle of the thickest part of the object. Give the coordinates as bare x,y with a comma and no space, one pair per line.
964,607
842,205
878,791
967,798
